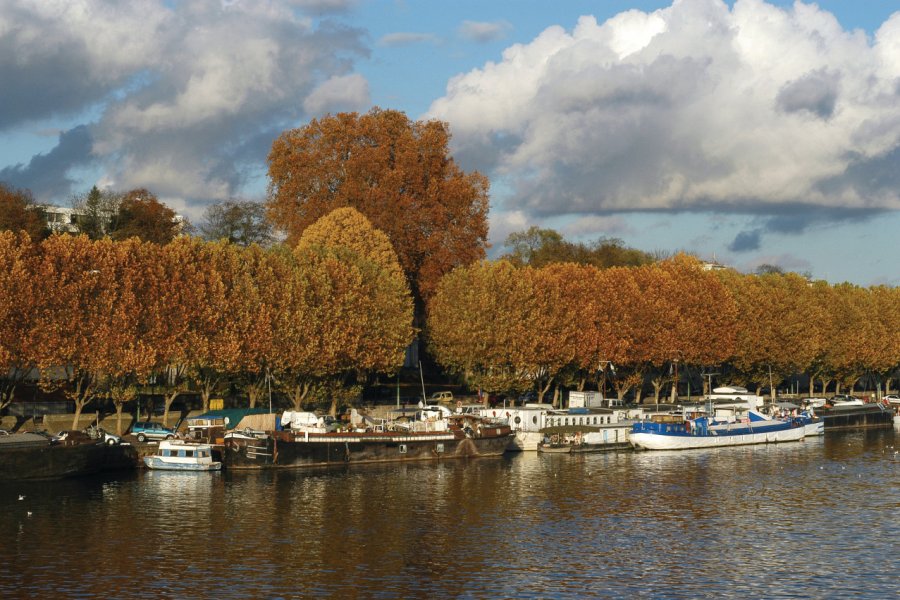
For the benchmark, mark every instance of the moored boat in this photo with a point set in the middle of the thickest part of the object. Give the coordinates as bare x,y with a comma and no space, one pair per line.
178,455
37,456
704,432
456,436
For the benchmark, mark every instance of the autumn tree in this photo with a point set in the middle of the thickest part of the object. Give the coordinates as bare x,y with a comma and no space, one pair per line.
477,325
779,326
19,212
552,336
396,172
142,215
17,311
241,222
366,318
88,327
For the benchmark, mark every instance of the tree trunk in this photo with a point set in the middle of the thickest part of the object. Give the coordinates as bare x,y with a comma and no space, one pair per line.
168,399
119,407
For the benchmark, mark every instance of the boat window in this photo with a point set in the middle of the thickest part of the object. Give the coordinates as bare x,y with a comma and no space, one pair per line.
534,420
402,448
189,453
440,449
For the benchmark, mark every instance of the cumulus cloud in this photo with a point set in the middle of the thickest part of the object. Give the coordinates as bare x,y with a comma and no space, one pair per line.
697,106
348,92
184,98
480,31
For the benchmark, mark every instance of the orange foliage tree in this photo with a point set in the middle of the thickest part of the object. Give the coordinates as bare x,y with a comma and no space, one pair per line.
394,171
89,326
478,324
780,326
142,215
17,311
18,212
366,310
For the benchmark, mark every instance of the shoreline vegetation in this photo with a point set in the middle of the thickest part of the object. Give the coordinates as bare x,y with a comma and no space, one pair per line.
385,242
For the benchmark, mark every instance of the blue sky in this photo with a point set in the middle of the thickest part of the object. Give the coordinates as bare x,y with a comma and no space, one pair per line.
748,131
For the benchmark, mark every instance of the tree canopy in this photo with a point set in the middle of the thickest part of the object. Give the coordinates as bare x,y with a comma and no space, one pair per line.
19,212
241,222
396,172
538,247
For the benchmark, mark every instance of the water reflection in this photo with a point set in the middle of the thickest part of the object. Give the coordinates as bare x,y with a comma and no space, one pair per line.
770,521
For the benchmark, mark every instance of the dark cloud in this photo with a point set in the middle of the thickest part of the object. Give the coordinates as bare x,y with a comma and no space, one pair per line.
867,177
47,175
815,93
746,241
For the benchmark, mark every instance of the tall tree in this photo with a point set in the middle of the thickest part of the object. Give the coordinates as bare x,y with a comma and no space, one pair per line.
17,311
478,324
241,222
99,210
396,172
367,320
19,212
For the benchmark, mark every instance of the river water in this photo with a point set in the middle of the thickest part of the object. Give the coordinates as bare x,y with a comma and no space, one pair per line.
815,519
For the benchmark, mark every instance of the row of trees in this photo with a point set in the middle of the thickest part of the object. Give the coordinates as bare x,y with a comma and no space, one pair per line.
100,318
504,327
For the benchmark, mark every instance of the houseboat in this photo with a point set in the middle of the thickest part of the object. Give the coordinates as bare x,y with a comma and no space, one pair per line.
178,455
429,437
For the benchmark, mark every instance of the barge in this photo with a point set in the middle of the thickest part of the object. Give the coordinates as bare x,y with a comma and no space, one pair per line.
459,436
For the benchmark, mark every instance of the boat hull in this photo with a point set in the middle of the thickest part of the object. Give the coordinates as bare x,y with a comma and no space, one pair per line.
58,461
280,450
155,462
656,441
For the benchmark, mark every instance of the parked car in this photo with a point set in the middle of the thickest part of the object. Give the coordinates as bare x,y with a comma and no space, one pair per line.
151,430
98,433
892,398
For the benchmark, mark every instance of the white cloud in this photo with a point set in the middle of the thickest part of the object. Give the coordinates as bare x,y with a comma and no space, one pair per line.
185,98
346,93
694,106
480,31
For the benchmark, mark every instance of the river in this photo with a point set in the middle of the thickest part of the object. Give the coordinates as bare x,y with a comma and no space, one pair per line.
814,519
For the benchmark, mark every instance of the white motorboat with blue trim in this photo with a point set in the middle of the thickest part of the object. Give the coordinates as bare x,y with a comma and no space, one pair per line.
178,455
705,432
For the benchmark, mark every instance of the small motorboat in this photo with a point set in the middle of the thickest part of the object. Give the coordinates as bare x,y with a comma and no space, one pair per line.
178,455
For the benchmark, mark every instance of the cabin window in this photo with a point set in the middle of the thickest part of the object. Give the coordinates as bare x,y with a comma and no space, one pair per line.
534,420
402,448
189,453
517,420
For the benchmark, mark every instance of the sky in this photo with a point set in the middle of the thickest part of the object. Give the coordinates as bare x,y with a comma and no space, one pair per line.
746,132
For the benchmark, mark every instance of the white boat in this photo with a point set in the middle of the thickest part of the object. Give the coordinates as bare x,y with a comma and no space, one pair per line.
178,455
704,432
530,423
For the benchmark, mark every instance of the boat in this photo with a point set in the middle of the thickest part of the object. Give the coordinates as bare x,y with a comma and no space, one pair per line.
29,455
178,455
862,415
534,421
679,433
430,437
